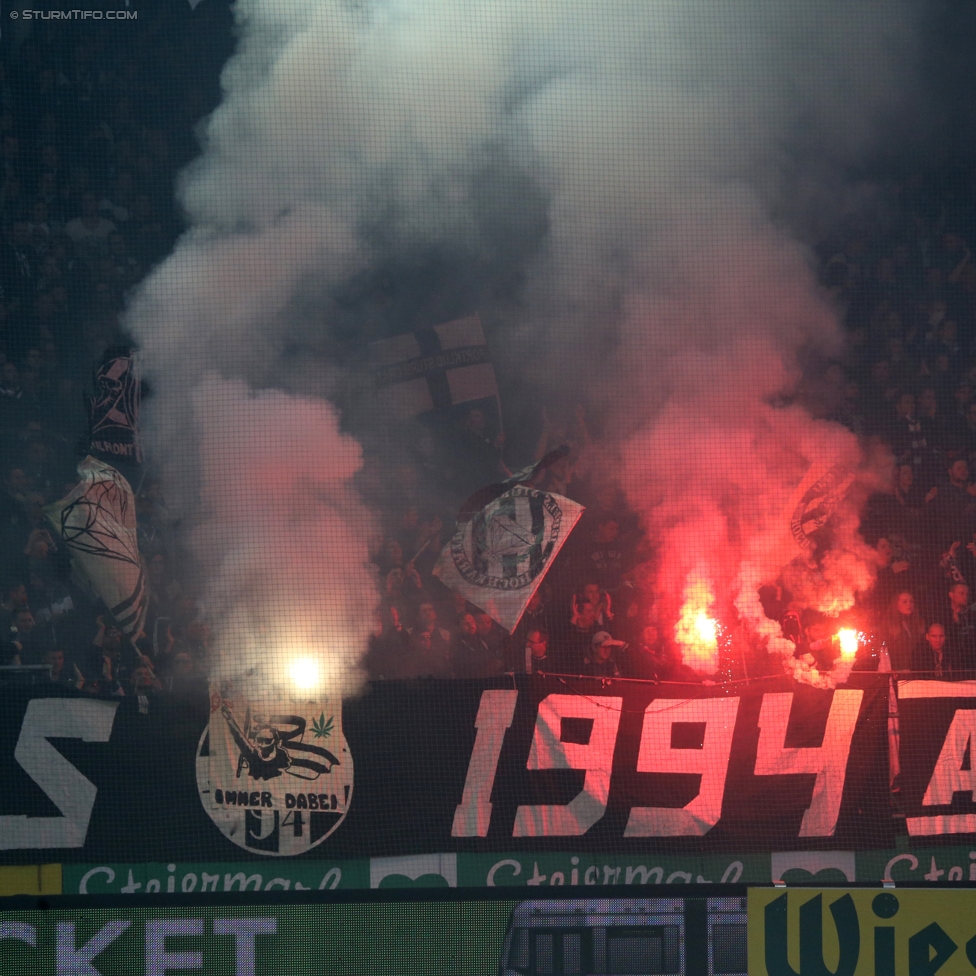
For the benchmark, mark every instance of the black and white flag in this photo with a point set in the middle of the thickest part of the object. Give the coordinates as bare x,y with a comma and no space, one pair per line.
499,556
114,408
817,499
435,369
97,522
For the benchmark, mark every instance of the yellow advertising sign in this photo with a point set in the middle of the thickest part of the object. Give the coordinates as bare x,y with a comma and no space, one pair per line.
30,879
861,932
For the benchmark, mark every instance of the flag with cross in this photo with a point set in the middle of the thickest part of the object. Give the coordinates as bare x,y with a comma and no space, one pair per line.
434,370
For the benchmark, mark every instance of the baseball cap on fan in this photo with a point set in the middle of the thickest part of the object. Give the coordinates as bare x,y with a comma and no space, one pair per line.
601,637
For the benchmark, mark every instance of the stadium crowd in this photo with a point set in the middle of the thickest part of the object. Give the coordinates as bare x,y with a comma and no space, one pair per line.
94,127
906,380
91,141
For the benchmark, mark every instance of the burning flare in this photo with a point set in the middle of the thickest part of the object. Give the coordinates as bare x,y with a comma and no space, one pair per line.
697,632
847,641
305,673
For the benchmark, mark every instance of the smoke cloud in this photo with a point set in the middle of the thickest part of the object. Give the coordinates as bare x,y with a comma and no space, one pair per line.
622,189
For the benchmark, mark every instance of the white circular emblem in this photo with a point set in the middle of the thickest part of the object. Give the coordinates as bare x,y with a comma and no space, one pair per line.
510,542
275,781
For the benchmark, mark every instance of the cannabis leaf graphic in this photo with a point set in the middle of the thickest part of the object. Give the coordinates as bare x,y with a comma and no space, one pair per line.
321,727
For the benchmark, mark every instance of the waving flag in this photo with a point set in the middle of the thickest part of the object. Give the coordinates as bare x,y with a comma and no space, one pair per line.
114,408
499,556
435,369
816,503
97,521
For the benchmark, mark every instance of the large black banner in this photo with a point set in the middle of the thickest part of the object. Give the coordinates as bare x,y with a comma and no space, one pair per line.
938,720
535,764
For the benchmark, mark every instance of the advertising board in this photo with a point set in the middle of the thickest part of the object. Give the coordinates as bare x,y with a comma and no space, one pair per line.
402,936
861,931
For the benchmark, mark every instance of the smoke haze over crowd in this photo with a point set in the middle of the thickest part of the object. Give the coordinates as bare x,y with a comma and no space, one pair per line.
625,190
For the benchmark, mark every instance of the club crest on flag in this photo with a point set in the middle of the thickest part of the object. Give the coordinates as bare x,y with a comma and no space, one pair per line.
817,504
508,543
276,780
497,558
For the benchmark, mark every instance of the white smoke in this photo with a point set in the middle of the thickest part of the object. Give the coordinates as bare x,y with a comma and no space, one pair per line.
282,536
661,139
262,477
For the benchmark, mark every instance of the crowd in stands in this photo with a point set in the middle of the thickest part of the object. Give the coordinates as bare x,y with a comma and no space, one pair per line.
91,140
94,127
906,380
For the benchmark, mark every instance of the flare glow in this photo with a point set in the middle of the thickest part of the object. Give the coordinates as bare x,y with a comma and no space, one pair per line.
305,673
696,631
847,641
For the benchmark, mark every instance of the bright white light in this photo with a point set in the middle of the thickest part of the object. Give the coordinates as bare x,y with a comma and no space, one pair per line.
696,632
305,673
707,629
847,639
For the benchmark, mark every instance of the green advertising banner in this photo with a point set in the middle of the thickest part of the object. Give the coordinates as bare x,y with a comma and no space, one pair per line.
399,939
515,869
519,870
511,870
377,935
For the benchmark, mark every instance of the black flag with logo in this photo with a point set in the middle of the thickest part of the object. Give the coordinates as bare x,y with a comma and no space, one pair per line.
114,408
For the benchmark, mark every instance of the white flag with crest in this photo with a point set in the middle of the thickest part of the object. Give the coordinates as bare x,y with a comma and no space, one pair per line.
499,556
